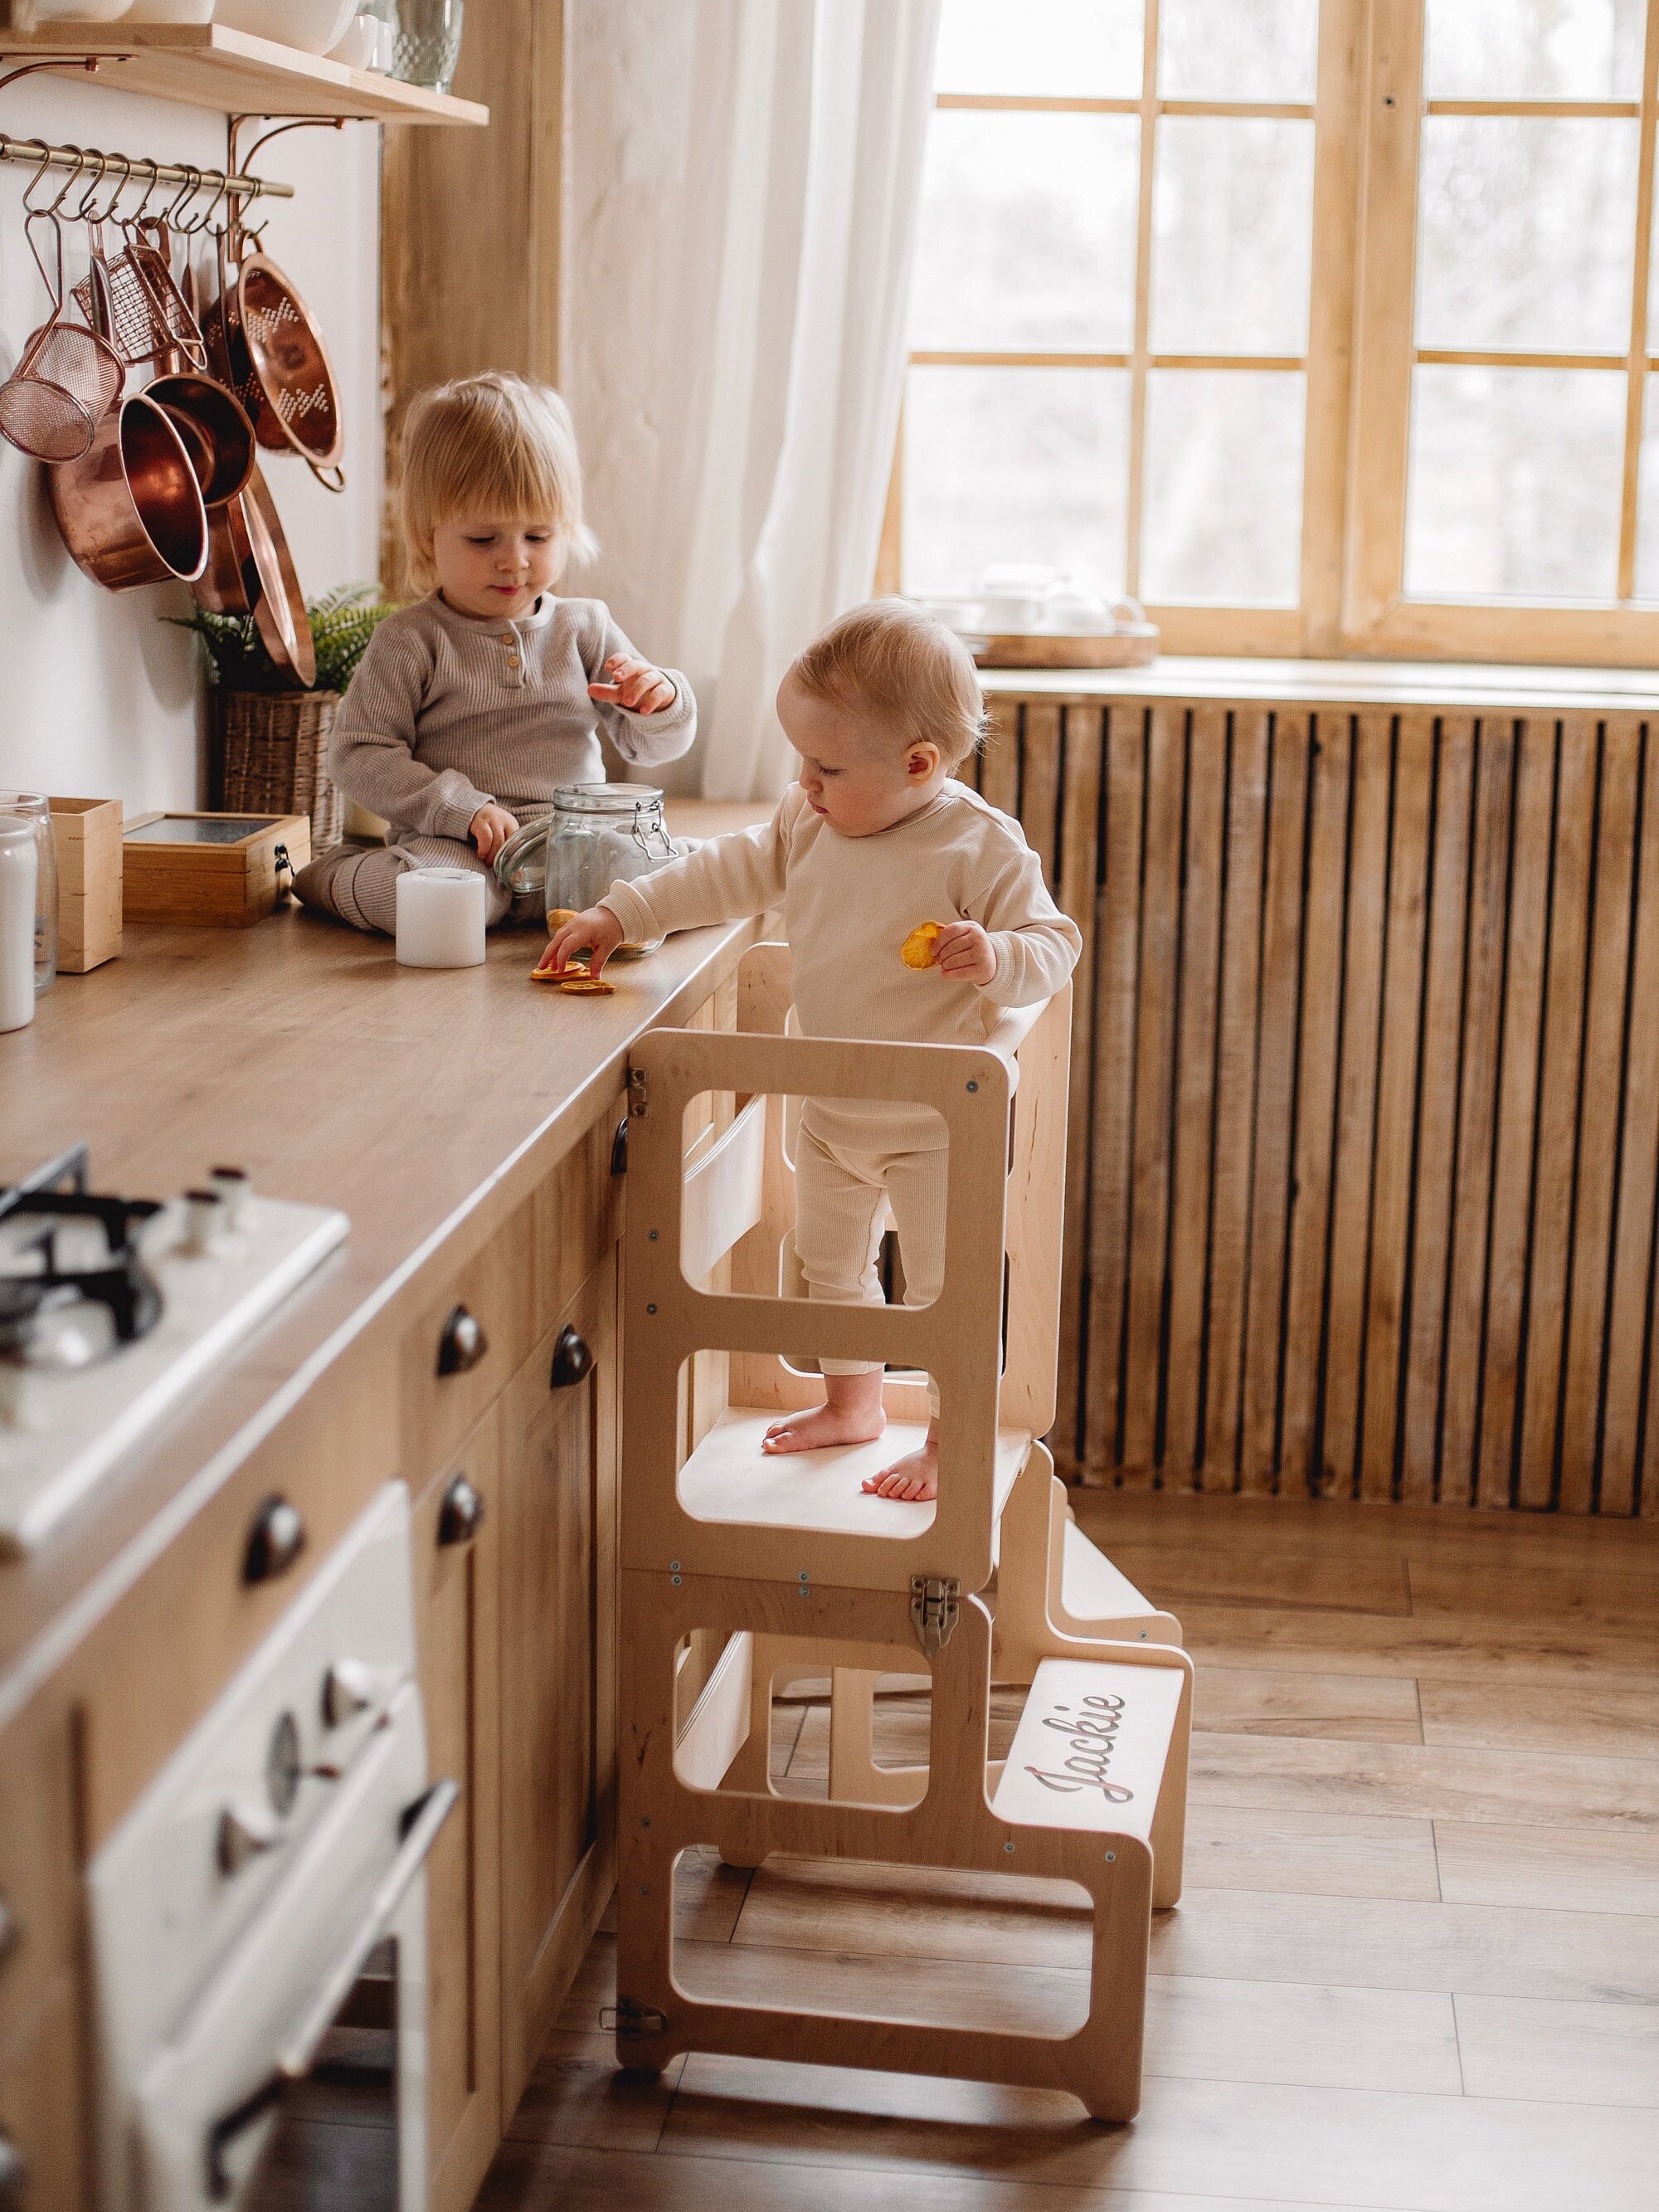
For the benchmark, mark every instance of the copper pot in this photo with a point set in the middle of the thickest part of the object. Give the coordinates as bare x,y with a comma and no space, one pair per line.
250,571
130,508
217,434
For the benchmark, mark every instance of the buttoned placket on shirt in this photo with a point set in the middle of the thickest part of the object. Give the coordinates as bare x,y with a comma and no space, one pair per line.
516,655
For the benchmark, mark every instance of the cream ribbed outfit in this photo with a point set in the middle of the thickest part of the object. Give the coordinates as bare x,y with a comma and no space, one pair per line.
848,904
447,713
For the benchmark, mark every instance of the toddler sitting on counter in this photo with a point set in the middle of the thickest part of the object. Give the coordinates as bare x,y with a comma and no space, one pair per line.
472,707
876,841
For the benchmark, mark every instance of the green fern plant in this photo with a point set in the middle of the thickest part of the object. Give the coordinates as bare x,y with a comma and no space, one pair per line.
342,623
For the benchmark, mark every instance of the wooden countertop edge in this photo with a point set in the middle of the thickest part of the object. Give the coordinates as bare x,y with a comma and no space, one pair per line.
50,1604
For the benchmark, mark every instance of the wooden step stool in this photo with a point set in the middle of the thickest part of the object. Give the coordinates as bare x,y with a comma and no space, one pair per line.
738,1569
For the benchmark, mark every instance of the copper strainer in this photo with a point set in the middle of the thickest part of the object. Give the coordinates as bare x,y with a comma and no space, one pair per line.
268,348
66,380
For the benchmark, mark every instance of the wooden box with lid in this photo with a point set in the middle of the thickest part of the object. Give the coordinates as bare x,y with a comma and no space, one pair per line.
220,871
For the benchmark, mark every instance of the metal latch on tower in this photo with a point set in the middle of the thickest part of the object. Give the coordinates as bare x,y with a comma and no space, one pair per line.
627,2016
935,1608
639,1092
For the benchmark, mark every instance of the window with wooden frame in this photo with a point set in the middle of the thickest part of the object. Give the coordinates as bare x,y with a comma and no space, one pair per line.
1320,325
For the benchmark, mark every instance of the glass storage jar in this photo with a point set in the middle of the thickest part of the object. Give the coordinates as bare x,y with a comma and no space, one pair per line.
597,833
34,808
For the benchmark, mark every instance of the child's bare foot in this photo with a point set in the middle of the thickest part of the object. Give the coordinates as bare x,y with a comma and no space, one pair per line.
915,1476
822,1426
851,1414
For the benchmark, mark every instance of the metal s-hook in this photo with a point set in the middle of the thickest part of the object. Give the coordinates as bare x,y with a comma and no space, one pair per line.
107,212
81,211
46,164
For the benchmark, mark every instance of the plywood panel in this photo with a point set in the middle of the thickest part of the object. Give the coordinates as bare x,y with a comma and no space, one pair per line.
1396,1100
1321,1015
1200,947
1627,1317
1601,1086
1275,1099
1477,1110
1516,1104
1440,1053
1558,1098
1362,1007
1154,1073
1116,997
1077,893
1235,1105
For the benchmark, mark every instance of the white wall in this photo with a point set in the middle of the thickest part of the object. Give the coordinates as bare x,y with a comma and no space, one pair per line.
98,699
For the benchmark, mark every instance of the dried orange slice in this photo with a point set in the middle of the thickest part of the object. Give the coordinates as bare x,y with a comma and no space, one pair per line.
583,986
917,950
559,915
574,967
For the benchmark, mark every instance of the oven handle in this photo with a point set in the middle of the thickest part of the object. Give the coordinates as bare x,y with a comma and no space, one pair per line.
421,1822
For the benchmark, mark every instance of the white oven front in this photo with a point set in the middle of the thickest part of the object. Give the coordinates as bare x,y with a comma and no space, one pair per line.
258,1921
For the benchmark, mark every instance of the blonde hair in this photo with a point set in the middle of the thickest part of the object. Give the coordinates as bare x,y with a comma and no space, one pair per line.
888,660
491,445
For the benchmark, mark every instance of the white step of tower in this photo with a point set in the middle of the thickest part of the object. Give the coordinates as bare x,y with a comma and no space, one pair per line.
730,1478
1091,1586
1090,1748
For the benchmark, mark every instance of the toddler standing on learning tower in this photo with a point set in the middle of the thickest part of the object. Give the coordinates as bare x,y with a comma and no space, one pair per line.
471,708
876,839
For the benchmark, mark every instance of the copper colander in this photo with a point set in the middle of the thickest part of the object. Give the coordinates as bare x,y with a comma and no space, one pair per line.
271,353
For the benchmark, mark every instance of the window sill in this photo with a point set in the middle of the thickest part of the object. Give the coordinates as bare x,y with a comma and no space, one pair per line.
1341,683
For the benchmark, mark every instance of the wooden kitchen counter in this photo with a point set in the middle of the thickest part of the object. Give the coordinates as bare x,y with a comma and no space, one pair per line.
426,1104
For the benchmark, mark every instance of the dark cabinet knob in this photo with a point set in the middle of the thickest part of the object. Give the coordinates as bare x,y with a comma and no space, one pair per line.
13,2173
619,1148
8,1931
463,1343
573,1360
275,1541
461,1515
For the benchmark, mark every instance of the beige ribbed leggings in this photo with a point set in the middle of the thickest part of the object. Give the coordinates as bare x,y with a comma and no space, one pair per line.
842,1193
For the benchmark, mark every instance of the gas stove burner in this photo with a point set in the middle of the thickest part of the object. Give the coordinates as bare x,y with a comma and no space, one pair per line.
114,1310
73,1287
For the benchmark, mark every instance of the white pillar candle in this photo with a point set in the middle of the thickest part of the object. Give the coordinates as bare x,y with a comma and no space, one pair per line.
19,862
440,918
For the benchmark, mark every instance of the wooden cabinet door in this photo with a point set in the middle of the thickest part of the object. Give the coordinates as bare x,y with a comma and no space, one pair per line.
457,1538
41,2139
558,1584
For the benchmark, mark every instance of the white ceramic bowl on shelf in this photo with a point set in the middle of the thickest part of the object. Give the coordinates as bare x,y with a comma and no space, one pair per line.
76,11
170,11
313,25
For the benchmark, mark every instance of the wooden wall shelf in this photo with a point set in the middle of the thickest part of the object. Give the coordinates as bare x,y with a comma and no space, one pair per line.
210,65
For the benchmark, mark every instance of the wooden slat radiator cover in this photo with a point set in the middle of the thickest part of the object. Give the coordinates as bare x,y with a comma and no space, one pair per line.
1365,1107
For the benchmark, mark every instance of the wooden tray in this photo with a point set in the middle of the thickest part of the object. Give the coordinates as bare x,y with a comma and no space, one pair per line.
218,871
1132,646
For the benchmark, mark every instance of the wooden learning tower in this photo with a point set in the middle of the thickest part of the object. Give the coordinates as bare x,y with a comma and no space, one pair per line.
741,1573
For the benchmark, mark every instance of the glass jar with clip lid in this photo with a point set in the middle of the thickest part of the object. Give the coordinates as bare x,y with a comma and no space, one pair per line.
597,833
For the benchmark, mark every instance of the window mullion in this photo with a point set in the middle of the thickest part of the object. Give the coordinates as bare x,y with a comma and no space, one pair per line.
1636,368
1135,498
1384,319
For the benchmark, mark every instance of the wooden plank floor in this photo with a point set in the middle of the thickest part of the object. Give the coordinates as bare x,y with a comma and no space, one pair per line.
1416,1968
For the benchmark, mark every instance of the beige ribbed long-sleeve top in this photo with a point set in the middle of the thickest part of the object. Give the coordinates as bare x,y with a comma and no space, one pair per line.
849,903
449,711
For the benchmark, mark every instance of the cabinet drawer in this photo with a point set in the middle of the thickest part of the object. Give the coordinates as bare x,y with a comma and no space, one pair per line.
468,1338
37,1861
456,1536
577,1216
42,2073
154,1665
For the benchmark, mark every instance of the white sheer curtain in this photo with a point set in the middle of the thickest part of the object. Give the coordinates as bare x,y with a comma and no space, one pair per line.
744,179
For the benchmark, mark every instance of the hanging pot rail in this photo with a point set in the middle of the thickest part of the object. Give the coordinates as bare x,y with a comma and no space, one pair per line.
143,171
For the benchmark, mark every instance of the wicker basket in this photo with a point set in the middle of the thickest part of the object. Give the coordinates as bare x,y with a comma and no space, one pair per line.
268,757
